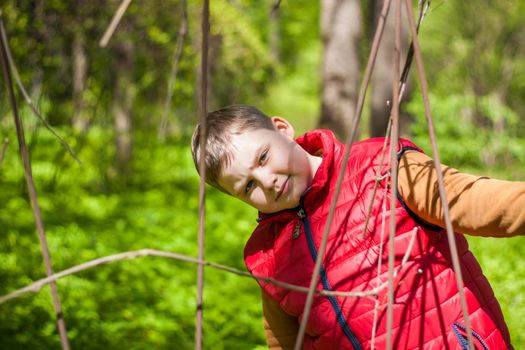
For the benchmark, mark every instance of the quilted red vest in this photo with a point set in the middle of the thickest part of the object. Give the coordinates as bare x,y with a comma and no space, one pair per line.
427,307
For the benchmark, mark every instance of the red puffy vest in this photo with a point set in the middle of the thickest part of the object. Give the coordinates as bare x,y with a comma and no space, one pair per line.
427,307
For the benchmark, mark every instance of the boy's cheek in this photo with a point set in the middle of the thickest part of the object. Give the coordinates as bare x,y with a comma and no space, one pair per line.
251,200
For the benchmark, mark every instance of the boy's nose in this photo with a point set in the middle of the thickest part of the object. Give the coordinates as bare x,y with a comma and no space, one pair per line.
267,180
270,182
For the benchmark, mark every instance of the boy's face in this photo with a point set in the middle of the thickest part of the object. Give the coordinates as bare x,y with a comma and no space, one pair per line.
268,169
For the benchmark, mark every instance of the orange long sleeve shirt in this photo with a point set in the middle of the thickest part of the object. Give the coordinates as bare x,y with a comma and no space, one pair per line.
479,206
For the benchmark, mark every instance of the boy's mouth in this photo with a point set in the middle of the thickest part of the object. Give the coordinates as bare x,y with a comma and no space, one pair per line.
284,187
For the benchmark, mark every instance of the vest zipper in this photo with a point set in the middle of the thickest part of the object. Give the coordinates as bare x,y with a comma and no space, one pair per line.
297,228
345,327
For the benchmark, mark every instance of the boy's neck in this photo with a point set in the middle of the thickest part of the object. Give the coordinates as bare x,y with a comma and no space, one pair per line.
315,162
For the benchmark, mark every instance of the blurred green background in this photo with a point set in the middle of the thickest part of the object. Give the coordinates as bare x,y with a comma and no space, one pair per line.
137,190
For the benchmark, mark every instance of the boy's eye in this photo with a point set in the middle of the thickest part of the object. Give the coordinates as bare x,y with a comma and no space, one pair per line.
263,157
248,187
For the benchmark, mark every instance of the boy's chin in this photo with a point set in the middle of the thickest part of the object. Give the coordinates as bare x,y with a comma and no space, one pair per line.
286,206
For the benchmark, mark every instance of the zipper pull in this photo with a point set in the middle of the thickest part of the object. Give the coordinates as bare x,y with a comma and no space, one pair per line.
297,229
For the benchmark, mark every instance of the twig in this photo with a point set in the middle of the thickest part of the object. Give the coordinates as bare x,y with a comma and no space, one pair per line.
441,3
379,263
203,109
37,285
423,9
4,148
114,23
393,174
183,30
379,177
27,98
439,173
276,6
350,140
24,153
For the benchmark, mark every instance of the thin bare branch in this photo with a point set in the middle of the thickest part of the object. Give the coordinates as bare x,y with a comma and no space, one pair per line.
402,82
393,173
350,140
423,9
183,30
114,23
24,153
379,264
37,285
27,98
4,148
203,107
379,177
439,173
424,6
441,3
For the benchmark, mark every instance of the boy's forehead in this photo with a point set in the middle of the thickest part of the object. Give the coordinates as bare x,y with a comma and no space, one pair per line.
243,146
243,149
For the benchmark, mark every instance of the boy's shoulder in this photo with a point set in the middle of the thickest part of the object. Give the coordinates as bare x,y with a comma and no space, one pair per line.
378,144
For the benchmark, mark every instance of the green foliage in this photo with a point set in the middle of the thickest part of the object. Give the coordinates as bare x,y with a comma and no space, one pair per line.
144,303
474,61
296,95
244,60
505,269
475,49
462,141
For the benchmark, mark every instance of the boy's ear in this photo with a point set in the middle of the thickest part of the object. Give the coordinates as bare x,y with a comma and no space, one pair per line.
283,126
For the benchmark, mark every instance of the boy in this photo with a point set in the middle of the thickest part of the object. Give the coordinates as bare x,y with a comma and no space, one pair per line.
291,182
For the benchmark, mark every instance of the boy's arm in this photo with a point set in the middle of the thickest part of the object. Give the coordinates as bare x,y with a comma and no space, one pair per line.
280,328
478,205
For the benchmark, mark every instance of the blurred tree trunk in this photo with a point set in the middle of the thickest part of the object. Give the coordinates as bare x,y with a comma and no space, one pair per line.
41,35
122,101
275,33
341,34
383,73
80,64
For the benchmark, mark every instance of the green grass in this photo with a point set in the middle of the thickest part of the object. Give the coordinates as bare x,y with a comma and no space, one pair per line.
150,302
503,264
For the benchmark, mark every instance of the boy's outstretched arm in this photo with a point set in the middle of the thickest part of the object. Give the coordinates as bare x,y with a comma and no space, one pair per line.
280,328
479,205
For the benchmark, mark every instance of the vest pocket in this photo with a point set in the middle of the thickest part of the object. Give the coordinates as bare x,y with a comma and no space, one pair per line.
461,333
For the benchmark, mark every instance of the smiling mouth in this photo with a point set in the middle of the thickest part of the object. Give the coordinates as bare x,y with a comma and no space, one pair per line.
284,187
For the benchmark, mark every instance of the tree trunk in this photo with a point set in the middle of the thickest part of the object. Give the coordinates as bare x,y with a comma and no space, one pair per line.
80,119
122,102
274,40
341,33
383,73
40,33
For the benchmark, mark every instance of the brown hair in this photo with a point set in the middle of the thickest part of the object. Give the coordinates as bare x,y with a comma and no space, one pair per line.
220,126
